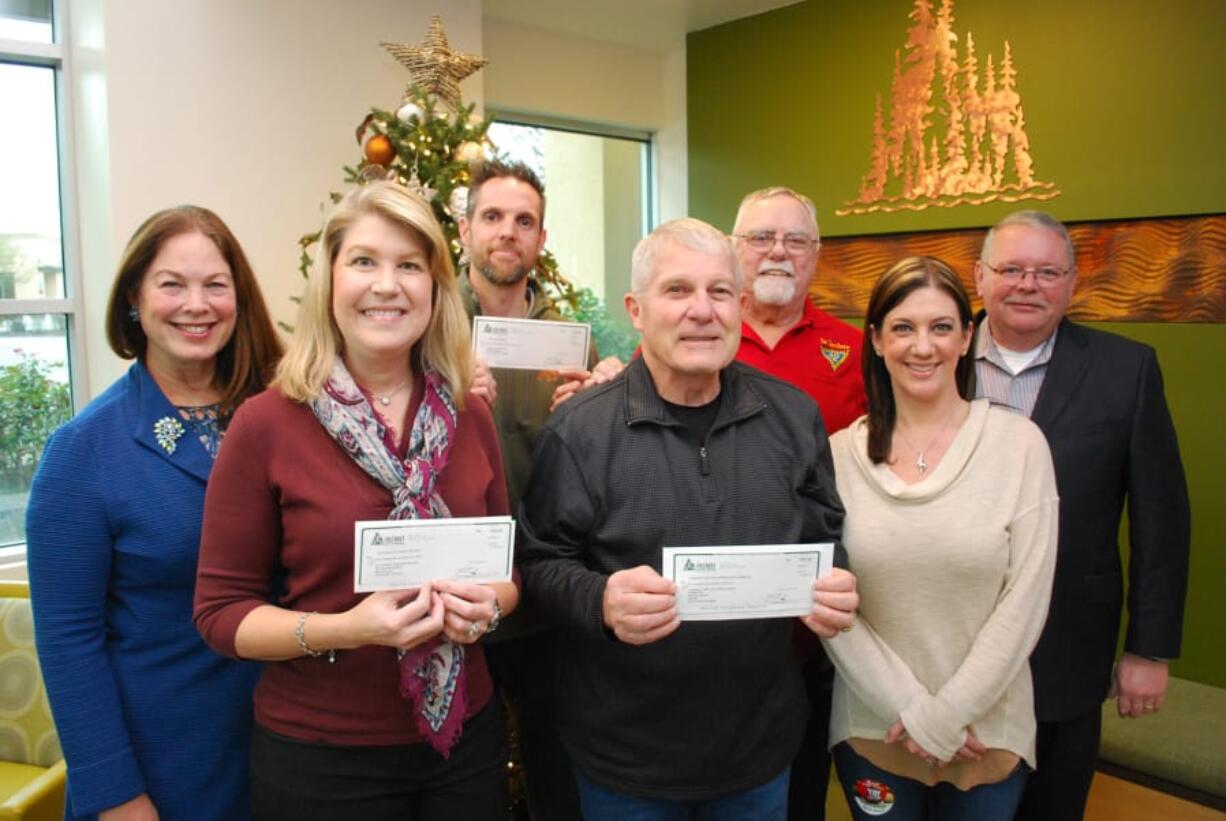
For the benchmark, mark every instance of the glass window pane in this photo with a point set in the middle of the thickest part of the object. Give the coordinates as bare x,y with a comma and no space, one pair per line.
596,209
31,256
597,192
34,401
28,20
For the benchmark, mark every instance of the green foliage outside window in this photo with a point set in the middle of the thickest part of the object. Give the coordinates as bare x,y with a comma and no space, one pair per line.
610,337
32,405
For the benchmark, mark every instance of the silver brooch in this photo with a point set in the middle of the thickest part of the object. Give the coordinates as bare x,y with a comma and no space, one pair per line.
167,430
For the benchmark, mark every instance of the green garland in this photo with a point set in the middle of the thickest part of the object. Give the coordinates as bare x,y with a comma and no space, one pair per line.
428,144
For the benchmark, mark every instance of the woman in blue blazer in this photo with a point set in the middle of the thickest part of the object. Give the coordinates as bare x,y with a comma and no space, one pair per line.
153,724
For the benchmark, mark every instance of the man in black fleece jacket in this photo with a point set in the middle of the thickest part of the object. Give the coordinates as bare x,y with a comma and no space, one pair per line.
685,447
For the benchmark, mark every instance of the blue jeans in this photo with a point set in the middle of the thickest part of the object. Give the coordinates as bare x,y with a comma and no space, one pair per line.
904,799
766,802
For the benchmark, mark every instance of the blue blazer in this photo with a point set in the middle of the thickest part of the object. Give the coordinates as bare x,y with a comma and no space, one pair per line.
113,530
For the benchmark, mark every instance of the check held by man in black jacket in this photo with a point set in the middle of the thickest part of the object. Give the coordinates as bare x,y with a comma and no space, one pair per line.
684,448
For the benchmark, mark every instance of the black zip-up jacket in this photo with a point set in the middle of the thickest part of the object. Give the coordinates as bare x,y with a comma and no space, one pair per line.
716,707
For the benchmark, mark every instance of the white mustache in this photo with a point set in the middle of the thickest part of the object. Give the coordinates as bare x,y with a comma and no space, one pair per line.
784,266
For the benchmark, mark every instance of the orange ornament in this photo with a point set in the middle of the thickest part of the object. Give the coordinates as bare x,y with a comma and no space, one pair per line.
379,150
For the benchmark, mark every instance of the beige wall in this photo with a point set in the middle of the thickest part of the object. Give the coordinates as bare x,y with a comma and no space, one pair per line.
575,216
248,108
535,71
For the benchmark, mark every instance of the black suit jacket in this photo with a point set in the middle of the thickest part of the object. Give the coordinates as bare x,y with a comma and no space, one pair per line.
1104,413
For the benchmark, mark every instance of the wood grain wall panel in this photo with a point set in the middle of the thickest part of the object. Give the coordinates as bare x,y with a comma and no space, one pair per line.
1144,270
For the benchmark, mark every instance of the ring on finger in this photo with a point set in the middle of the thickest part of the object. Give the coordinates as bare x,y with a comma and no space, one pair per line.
474,629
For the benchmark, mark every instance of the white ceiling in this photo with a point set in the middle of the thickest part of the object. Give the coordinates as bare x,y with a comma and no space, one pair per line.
655,25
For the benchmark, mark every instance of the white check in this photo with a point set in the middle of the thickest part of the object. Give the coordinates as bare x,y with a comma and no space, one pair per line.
531,344
746,581
398,554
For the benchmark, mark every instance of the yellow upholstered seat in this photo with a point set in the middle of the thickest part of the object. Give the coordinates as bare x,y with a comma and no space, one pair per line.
32,771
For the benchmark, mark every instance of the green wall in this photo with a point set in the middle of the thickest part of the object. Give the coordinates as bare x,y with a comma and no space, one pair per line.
1124,112
1193,359
1123,103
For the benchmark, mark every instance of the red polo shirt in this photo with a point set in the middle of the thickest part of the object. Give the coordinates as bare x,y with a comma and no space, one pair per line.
821,356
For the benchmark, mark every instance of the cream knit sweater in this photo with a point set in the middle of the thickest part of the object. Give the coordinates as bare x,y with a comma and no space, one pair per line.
954,574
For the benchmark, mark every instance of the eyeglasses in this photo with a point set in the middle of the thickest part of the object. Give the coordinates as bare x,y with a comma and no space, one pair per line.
1043,275
765,240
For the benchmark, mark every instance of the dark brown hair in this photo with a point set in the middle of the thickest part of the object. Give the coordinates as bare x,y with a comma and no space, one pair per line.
246,363
496,169
905,277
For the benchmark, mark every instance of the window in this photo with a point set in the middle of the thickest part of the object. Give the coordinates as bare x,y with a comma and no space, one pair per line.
39,318
600,192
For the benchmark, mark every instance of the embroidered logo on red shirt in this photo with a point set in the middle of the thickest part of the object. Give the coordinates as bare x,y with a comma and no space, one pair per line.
836,353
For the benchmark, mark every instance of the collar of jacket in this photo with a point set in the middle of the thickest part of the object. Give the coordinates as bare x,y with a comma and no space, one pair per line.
540,302
644,405
146,406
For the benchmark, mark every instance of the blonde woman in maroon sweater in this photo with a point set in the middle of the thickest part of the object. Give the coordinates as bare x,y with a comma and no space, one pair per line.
369,706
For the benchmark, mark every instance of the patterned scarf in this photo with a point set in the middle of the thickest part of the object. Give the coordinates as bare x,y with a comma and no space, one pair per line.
431,673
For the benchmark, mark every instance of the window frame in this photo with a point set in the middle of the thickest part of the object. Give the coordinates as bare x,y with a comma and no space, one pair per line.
650,180
56,56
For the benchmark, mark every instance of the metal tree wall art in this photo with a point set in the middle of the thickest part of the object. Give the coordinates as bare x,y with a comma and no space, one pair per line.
954,135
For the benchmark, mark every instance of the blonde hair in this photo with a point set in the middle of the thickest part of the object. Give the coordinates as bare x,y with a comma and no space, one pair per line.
445,347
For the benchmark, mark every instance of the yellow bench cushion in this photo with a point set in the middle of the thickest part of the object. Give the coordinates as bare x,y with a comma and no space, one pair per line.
15,776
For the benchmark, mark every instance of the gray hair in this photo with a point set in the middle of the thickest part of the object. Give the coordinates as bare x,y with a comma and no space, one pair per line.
688,232
775,191
1040,220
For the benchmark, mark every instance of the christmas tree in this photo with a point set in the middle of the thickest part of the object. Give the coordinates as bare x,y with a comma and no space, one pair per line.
431,144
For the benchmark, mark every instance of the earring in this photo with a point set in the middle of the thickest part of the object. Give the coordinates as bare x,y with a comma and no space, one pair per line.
134,313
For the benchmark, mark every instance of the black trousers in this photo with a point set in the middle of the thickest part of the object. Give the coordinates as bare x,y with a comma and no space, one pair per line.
811,766
526,669
1066,753
297,781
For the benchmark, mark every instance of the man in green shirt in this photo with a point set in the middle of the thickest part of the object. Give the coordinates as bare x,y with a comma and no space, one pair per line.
503,232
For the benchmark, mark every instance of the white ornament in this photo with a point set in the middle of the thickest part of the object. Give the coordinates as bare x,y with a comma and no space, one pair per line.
459,200
470,152
408,111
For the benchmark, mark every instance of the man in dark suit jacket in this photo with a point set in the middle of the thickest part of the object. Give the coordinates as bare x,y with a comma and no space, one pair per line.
1099,400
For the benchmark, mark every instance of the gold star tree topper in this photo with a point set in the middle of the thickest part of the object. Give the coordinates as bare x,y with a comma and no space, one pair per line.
435,66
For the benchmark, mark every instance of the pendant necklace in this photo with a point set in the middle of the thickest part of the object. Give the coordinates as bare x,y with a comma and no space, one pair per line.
386,399
921,464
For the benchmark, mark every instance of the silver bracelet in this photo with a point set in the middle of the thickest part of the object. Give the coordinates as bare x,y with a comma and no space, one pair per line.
300,634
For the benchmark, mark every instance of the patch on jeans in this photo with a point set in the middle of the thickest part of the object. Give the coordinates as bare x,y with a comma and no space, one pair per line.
873,797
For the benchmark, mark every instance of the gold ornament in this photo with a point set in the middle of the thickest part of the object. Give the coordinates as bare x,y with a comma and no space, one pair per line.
379,150
434,66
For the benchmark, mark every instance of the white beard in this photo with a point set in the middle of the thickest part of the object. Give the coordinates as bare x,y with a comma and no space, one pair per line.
772,289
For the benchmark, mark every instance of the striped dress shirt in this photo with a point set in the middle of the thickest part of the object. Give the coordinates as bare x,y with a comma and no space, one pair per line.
996,381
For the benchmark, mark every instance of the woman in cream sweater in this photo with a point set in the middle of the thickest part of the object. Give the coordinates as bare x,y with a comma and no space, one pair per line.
951,532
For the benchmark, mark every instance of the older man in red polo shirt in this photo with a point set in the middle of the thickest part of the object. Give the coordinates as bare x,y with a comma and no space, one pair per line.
782,331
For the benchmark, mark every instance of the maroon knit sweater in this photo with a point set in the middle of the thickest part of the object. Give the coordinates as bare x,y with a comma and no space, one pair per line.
278,526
